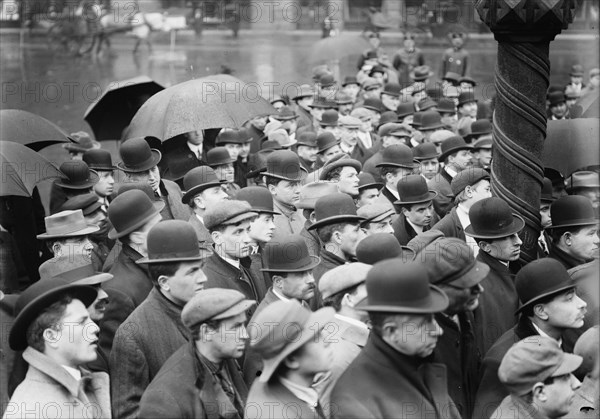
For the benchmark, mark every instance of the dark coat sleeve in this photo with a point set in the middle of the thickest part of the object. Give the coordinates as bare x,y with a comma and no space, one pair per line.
119,308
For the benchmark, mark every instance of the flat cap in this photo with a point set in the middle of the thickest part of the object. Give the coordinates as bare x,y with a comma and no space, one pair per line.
391,128
343,277
467,177
349,122
214,304
375,213
360,112
228,212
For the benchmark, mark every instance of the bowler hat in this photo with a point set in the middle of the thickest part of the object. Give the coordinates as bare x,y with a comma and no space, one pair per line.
413,189
286,114
290,254
395,286
541,279
214,304
452,145
392,89
491,218
76,269
483,142
546,195
308,139
39,296
259,198
426,104
270,145
312,191
323,103
343,161
343,277
66,224
576,70
582,179
420,73
534,360
342,98
451,77
451,261
373,104
381,246
304,91
329,118
479,127
467,79
98,159
335,208
386,118
397,155
370,84
78,175
277,98
137,156
376,69
326,140
81,142
87,203
218,156
229,137
405,109
228,212
172,241
425,151
285,165
466,97
327,80
131,210
416,122
367,181
375,213
349,80
197,180
467,177
290,326
431,120
572,211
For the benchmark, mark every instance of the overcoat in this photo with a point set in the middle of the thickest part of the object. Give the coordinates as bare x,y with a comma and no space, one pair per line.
450,225
440,183
201,231
312,240
172,197
512,408
404,232
289,221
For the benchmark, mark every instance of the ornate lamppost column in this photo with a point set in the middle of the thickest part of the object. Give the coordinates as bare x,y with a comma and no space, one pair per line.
523,29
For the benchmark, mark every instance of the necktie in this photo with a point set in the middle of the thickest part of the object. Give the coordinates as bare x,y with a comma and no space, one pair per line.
229,390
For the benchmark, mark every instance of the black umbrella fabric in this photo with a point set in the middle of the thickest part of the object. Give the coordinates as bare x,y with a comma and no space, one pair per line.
29,129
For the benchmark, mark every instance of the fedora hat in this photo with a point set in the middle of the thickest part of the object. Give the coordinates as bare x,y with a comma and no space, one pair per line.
285,165
491,218
281,340
396,286
342,98
392,89
78,175
286,114
81,142
335,208
350,80
582,179
467,79
290,254
413,189
88,203
39,296
172,241
576,70
420,73
218,156
431,120
228,212
452,145
137,156
75,269
325,141
373,104
572,211
466,97
214,304
425,151
397,155
426,104
381,246
405,109
541,279
131,210
197,180
479,127
66,224
367,181
546,195
98,159
341,160
315,190
307,139
259,198
329,118
304,91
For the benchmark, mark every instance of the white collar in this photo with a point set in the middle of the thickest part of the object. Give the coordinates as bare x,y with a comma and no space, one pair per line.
195,148
306,394
395,193
542,333
73,371
463,217
450,171
352,321
280,296
235,263
414,142
418,229
199,218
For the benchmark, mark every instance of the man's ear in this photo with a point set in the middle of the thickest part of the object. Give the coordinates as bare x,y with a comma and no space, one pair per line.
539,310
277,281
539,392
271,187
291,362
199,202
485,246
163,282
51,337
216,236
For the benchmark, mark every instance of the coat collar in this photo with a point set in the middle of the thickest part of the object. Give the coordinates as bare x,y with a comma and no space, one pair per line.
284,209
327,256
352,333
493,263
567,260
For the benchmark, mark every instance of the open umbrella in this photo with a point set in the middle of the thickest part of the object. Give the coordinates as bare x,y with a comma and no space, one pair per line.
571,144
338,47
22,168
112,112
29,129
219,101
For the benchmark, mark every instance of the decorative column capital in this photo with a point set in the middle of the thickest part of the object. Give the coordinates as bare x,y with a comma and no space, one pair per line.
526,20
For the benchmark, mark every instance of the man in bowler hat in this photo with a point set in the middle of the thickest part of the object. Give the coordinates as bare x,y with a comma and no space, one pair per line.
368,189
175,264
101,161
550,308
395,375
202,378
396,163
79,180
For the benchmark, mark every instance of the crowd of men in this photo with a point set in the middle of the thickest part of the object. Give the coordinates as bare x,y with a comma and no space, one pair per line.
341,258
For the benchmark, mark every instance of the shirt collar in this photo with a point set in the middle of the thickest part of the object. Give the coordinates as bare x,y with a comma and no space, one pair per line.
74,372
542,333
199,218
280,296
395,193
193,147
233,262
352,321
306,394
450,171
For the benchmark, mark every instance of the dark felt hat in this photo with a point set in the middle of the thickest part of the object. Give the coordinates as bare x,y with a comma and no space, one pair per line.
323,103
452,145
137,156
425,151
370,84
377,69
131,210
39,296
197,180
546,195
387,117
326,140
420,73
88,203
342,161
259,198
397,155
467,177
327,80
435,93
541,279
392,89
290,254
286,114
426,104
479,127
431,120
229,137
78,175
381,246
451,77
66,224
367,181
172,241
218,156
98,159
466,97
308,139
285,165
405,109
413,189
491,218
572,211
467,79
416,122
277,98
396,286
335,208
576,70
228,212
446,106
373,104
329,118
349,80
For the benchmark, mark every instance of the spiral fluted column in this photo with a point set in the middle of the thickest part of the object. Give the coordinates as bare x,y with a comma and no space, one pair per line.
523,29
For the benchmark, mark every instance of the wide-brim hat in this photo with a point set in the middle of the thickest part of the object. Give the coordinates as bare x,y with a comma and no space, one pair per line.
66,224
335,208
572,211
81,275
131,210
491,218
290,254
421,73
398,155
259,198
172,241
81,142
137,156
39,296
197,180
367,181
412,190
425,151
582,179
452,145
284,165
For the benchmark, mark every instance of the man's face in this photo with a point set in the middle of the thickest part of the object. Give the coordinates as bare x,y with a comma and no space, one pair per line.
429,168
351,235
390,102
234,240
245,150
152,177
545,214
79,245
138,238
480,190
76,340
367,196
566,310
419,214
298,285
417,96
262,228
351,90
559,396
483,155
468,109
209,197
305,102
392,178
225,172
372,93
186,282
98,307
106,183
461,160
331,152
506,249
230,340
345,108
315,356
278,105
233,149
317,113
195,137
409,44
415,335
383,226
287,192
593,194
259,122
559,110
576,79
307,153
348,182
461,299
375,117
584,243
